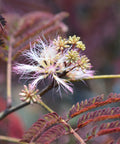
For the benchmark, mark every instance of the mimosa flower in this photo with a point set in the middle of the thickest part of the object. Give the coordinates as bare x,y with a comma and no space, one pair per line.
45,62
54,60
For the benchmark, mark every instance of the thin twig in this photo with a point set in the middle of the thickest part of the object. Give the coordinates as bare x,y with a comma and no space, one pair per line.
14,140
12,109
45,106
9,139
9,74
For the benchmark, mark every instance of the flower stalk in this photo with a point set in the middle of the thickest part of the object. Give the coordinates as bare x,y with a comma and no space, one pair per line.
103,77
44,106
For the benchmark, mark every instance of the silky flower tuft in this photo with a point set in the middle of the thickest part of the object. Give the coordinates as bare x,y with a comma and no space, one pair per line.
55,60
29,94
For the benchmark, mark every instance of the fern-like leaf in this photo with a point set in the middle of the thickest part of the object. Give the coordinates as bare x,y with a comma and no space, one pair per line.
46,130
31,19
36,128
93,103
52,134
105,128
44,27
99,115
25,29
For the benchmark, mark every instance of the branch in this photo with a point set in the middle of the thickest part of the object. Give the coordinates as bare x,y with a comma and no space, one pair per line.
10,139
12,109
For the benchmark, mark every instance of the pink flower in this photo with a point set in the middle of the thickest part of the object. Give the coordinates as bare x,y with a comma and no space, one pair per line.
54,60
44,62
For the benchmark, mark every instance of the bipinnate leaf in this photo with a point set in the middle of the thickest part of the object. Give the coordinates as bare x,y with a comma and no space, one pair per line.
99,115
103,129
52,134
46,130
45,24
93,103
25,29
36,128
31,19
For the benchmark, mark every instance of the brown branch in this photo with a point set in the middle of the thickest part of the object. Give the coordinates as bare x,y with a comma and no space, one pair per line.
5,113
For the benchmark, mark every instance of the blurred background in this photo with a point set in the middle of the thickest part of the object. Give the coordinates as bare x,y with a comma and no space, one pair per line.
97,22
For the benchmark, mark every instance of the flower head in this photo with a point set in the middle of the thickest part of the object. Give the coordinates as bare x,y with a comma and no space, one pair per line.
73,39
80,45
29,94
54,60
72,56
60,43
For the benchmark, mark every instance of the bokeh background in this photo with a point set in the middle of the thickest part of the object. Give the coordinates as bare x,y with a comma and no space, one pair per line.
97,22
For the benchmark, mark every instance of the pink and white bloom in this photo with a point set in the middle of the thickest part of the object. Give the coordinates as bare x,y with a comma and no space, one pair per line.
54,60
44,62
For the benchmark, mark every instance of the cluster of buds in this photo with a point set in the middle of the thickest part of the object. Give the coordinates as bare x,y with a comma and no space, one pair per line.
29,94
55,60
